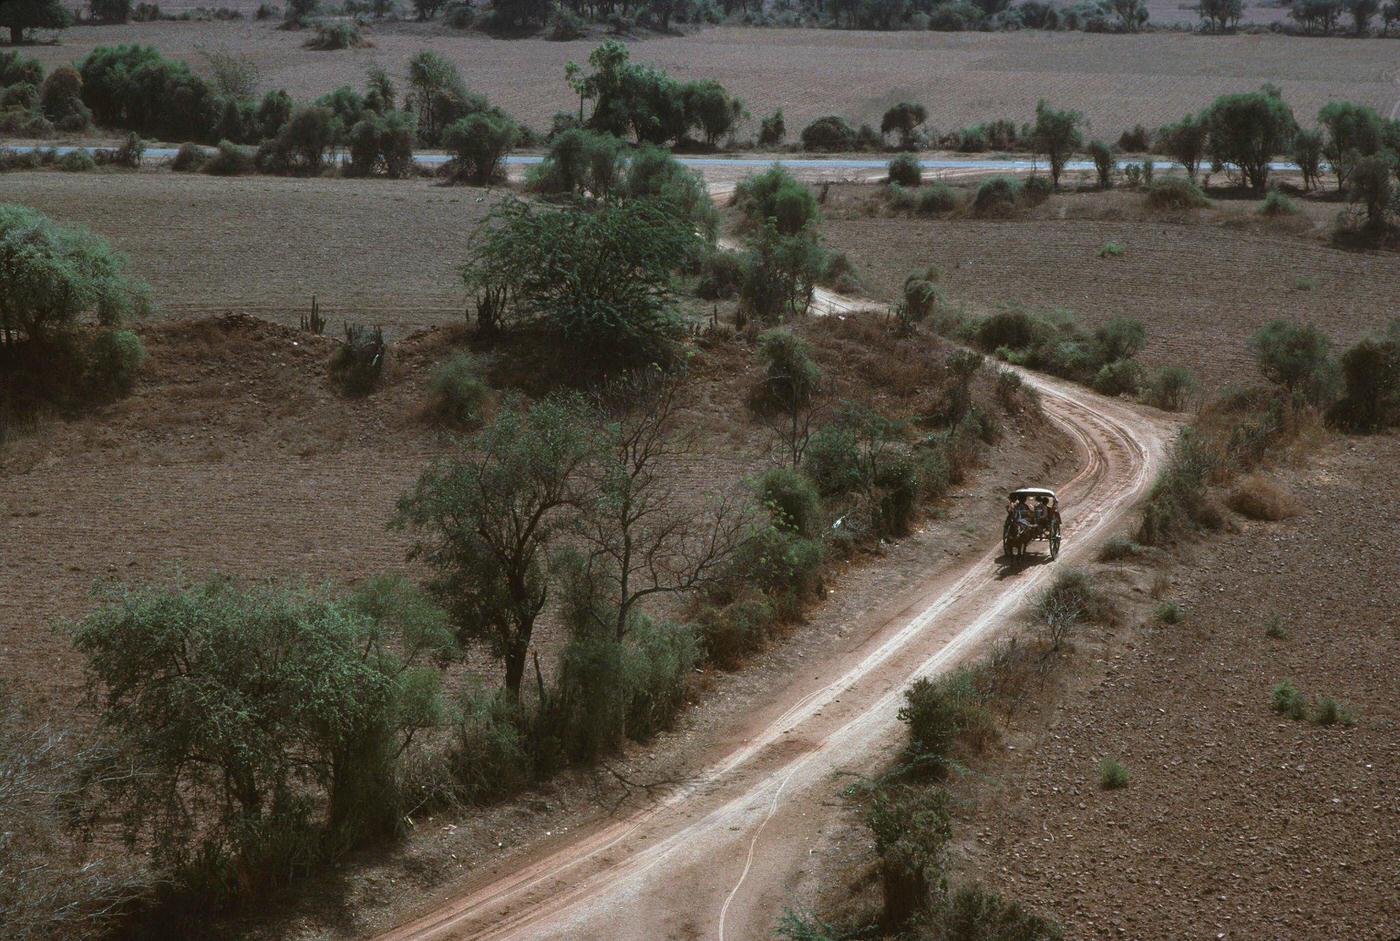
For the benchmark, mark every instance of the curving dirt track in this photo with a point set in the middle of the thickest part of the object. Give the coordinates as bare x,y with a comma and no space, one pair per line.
715,856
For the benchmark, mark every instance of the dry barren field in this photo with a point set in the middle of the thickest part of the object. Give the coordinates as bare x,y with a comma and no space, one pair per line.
1202,289
377,251
962,78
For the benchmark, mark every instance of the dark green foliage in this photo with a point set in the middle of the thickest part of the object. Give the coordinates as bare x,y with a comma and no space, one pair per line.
1307,154
189,157
305,142
114,360
1136,140
440,97
600,279
779,274
55,275
1354,132
228,160
730,631
863,454
60,98
1120,377
134,87
911,827
1104,162
996,196
17,70
1175,194
941,713
478,143
782,566
935,198
1298,358
358,365
904,170
712,110
22,17
1246,130
382,143
1169,388
720,275
580,162
1286,700
1052,341
1371,373
1178,496
793,501
777,195
830,134
922,295
1185,142
1056,135
490,758
272,715
1278,204
1371,189
111,11
791,378
772,130
1169,612
652,173
1070,600
332,36
903,119
487,517
457,394
77,160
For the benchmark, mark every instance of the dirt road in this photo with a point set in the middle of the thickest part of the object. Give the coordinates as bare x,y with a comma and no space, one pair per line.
714,857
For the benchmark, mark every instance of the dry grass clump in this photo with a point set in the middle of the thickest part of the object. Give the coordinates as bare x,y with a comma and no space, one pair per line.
1261,499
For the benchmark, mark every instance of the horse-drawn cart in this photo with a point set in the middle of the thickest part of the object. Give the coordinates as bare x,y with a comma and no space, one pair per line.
1032,513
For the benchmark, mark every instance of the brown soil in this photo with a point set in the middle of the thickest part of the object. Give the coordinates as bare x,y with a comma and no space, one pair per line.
1237,823
377,251
1202,285
962,78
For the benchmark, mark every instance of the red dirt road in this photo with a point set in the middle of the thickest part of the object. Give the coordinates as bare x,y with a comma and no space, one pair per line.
714,857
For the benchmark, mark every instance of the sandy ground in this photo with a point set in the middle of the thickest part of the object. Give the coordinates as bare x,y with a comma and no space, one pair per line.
962,78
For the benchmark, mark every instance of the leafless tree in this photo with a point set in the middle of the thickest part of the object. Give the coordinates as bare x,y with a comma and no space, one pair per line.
640,536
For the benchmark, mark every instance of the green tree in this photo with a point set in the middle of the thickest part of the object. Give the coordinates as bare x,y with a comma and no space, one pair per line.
55,275
1104,162
598,277
777,195
111,11
1221,15
1307,154
247,706
712,109
1296,357
1371,188
1362,12
1353,131
1056,135
478,143
23,16
1185,142
903,119
487,518
1132,14
1247,130
1317,16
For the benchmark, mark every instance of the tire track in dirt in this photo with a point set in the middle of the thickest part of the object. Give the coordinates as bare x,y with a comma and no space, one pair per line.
713,857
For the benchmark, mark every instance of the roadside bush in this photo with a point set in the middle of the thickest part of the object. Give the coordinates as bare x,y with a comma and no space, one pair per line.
941,713
382,143
973,913
1119,377
1260,499
1169,388
1104,162
996,196
936,198
332,36
772,130
227,160
922,295
733,630
1112,774
905,170
1118,548
77,160
1298,358
580,162
831,134
720,275
1178,497
782,565
777,195
1174,194
16,70
653,173
60,98
779,274
1278,204
1070,600
114,360
1371,376
304,144
478,143
358,364
790,376
911,827
490,756
135,88
457,394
